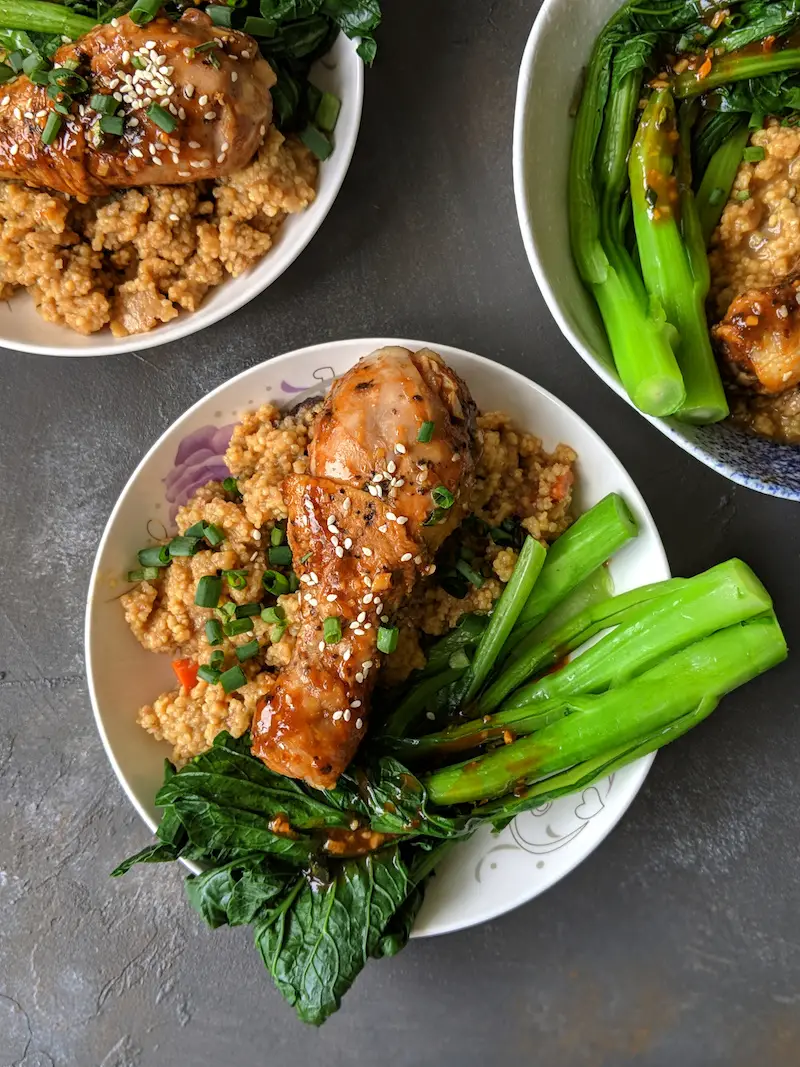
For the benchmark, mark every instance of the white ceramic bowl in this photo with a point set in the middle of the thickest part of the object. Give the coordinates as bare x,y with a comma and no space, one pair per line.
341,72
557,51
485,876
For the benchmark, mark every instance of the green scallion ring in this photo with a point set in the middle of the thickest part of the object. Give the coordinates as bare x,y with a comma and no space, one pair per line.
332,630
166,122
426,432
154,555
208,674
232,679
387,638
247,651
208,591
280,555
214,632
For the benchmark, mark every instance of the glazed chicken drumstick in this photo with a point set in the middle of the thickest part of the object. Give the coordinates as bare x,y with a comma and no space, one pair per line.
190,100
392,458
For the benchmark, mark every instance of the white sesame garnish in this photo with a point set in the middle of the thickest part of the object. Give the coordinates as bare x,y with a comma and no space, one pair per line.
405,557
126,56
366,551
367,598
384,618
137,152
402,520
336,716
390,515
347,715
346,655
377,477
431,569
221,158
379,491
188,91
334,541
313,576
202,100
455,457
372,490
313,601
14,149
418,560
245,54
17,113
339,551
321,646
357,630
184,173
359,724
348,543
383,527
398,482
181,113
367,625
256,535
361,616
5,100
224,146
391,466
234,76
305,578
194,144
331,597
115,23
176,218
262,129
172,110
147,44
400,449
133,122
355,703
255,554
428,715
210,116
359,677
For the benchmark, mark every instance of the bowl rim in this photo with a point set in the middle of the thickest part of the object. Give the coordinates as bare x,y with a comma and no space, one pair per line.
368,345
519,140
192,322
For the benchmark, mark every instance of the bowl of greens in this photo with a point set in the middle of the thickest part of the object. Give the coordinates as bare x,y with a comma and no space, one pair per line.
658,120
486,775
226,239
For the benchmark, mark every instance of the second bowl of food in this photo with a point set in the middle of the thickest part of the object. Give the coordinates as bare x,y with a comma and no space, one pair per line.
374,574
663,230
156,173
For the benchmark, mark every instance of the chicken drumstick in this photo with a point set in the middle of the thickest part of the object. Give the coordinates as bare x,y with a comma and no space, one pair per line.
363,527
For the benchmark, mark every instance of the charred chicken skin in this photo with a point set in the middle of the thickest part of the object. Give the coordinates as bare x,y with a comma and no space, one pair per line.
363,527
211,83
759,338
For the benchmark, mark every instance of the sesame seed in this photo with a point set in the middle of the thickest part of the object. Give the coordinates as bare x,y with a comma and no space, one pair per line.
313,576
147,44
359,677
313,601
234,76
346,655
28,114
14,149
221,158
348,543
137,152
402,520
367,625
263,129
126,56
359,724
405,557
321,646
188,91
378,491
366,551
383,527
176,218
133,123
224,146
336,716
335,541
17,113
377,477
390,515
347,715
115,23
455,457
181,113
175,157
172,110
367,581
400,449
358,630
429,715
113,83
355,703
346,505
184,173
367,598
245,54
210,116
361,616
384,618
305,578
41,114
194,144
372,490
339,551
367,664
5,100
255,554
391,466
431,569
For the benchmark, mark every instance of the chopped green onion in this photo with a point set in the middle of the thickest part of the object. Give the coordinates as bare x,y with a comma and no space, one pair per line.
213,534
66,79
197,530
237,626
273,614
247,611
232,679
426,432
38,77
753,154
227,610
183,546
294,582
6,73
138,63
442,497
274,582
154,556
208,590
206,46
161,117
216,659
208,674
277,535
236,579
61,108
230,485
32,62
277,632
247,651
305,558
16,59
143,574
469,573
257,27
219,14
328,112
52,127
144,11
741,194
111,124
316,142
280,555
387,638
332,630
213,632
103,104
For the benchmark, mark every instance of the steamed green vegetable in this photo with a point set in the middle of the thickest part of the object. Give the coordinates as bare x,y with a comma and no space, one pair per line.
328,879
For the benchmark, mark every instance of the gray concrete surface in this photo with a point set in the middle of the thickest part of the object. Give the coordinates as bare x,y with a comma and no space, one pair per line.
675,943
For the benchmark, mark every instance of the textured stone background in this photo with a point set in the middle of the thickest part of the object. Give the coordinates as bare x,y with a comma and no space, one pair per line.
675,943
